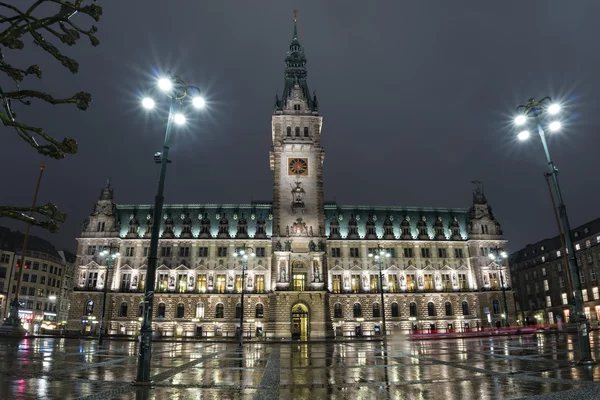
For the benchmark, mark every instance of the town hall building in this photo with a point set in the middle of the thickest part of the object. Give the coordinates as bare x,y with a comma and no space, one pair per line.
310,276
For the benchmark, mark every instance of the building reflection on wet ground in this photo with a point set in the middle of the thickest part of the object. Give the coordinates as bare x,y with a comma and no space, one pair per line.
476,368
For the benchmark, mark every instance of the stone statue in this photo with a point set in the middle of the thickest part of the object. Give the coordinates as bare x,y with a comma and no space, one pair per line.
311,246
210,280
420,280
287,231
288,245
282,272
101,279
454,279
437,278
82,278
249,284
320,246
365,282
191,281
316,270
401,279
171,281
346,281
310,231
135,281
230,280
485,279
278,246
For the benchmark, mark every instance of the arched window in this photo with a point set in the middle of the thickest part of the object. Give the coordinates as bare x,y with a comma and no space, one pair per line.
289,131
357,310
89,307
431,309
199,310
260,311
395,310
337,311
238,310
180,311
123,310
305,131
465,308
376,310
413,309
220,311
297,131
141,310
448,308
160,311
496,306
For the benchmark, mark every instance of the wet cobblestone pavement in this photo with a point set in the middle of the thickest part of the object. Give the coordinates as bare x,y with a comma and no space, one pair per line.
476,368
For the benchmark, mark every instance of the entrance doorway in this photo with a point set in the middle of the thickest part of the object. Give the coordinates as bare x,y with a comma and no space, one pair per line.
300,322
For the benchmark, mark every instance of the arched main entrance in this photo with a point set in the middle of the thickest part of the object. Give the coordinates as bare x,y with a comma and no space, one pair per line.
300,322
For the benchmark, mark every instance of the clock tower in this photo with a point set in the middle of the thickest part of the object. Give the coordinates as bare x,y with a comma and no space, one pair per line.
296,154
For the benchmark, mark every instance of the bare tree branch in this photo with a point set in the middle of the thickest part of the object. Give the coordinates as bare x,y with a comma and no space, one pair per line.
19,22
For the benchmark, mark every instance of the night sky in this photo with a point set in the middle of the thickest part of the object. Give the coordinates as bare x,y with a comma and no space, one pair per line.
417,100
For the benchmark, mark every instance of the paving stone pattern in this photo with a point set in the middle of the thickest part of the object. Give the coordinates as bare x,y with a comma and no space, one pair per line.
534,366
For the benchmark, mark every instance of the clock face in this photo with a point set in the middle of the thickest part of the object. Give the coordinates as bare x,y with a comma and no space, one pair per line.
298,166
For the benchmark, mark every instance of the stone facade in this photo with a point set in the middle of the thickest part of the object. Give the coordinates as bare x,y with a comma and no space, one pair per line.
311,267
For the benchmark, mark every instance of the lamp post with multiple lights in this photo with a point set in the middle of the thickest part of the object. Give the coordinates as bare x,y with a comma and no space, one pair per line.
379,254
499,256
534,113
243,254
110,257
177,91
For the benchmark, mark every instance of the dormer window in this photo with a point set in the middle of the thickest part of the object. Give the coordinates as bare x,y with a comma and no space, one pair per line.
305,131
297,131
289,131
297,107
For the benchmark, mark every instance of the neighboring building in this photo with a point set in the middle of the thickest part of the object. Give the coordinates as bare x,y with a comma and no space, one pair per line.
311,277
40,282
66,289
541,277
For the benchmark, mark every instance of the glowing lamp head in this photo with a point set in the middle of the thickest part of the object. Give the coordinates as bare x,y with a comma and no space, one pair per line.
554,108
179,119
520,119
370,254
165,84
198,102
555,126
504,255
491,256
148,103
523,135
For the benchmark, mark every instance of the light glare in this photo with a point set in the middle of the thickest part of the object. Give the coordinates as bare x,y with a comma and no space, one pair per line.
148,103
179,119
554,108
165,84
520,119
523,135
198,102
555,126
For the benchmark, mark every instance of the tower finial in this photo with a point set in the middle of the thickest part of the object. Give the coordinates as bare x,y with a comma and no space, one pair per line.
295,26
295,16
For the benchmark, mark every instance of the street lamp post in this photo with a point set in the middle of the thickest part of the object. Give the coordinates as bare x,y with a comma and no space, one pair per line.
533,112
110,257
243,254
498,255
176,90
379,254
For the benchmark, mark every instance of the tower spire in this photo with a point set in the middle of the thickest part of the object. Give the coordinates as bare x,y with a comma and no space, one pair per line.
295,25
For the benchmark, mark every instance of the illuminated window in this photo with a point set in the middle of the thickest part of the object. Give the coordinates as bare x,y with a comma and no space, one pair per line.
259,284
563,296
299,282
337,283
577,246
584,294
220,284
428,281
374,283
259,311
201,283
462,281
548,301
546,287
163,281
355,281
494,281
595,293
199,310
393,283
182,283
238,283
410,282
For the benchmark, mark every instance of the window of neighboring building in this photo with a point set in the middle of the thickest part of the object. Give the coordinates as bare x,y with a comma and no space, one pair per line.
442,253
376,310
564,298
288,131
431,309
584,294
595,293
222,252
89,307
413,309
354,252
165,251
199,310
297,131
123,310
496,306
448,307
357,310
160,310
184,252
425,252
259,252
305,131
129,251
458,253
548,301
465,308
408,252
546,286
336,252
